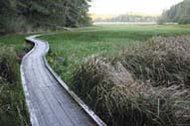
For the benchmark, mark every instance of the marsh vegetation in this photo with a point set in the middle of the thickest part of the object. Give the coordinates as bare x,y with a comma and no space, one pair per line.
128,74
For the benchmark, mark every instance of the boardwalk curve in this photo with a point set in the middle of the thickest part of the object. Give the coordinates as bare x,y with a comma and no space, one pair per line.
49,100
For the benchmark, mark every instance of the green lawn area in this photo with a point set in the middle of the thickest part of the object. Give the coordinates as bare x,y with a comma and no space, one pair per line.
70,48
13,109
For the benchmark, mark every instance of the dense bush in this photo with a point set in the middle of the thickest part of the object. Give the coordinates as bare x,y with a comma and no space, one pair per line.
148,84
12,104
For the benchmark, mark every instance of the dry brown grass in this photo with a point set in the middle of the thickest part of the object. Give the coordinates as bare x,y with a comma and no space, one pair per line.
148,84
163,61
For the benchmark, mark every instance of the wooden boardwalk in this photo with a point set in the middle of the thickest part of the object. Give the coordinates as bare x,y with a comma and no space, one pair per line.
49,103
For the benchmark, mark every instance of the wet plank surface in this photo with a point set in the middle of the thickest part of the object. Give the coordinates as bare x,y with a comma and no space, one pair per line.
51,104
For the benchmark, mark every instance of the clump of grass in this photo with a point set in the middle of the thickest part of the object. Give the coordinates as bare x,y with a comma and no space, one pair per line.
146,85
12,104
162,61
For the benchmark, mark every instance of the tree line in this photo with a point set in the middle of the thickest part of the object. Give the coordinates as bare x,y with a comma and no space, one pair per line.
128,18
179,13
33,15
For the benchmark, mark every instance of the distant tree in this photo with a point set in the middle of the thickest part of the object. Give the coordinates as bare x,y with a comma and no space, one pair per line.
179,13
185,13
163,19
129,18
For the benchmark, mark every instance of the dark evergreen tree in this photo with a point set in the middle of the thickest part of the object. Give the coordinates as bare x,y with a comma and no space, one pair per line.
27,15
179,13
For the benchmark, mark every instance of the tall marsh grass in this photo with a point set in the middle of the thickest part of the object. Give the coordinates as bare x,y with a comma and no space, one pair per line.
146,85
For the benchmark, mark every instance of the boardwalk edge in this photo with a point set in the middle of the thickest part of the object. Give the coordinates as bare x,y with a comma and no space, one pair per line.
31,110
91,113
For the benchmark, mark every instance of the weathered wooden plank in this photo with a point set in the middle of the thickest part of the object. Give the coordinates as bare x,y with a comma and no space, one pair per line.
49,103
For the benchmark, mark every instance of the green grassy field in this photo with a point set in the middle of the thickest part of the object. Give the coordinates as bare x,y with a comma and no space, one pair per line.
68,49
12,102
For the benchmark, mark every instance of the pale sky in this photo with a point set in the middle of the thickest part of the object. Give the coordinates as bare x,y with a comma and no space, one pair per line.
115,7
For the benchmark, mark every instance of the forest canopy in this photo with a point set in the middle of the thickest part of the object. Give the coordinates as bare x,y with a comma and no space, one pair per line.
179,13
32,15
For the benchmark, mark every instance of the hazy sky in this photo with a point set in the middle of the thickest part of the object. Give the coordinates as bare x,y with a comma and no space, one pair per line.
128,6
